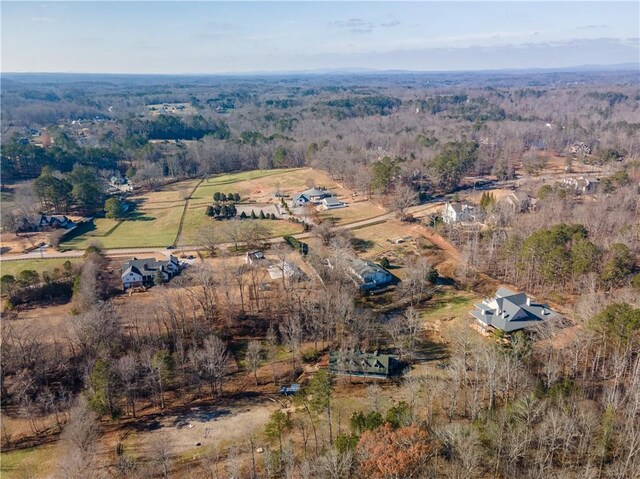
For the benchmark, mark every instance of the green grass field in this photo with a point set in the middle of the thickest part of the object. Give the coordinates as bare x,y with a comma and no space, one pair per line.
195,219
156,220
152,227
32,462
448,305
39,265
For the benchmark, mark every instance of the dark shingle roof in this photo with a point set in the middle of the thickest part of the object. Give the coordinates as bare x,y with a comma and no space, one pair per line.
362,364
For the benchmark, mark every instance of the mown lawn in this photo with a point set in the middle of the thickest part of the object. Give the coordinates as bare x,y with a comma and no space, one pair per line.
39,265
151,226
195,220
156,219
33,462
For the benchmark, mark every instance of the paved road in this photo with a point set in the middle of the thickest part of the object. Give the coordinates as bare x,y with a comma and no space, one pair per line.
48,253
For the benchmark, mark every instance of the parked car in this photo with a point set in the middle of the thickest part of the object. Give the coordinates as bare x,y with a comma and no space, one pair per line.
171,247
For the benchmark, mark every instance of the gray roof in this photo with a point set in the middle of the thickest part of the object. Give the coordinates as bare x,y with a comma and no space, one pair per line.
53,220
511,311
147,266
332,201
315,192
256,255
131,269
457,207
361,267
362,364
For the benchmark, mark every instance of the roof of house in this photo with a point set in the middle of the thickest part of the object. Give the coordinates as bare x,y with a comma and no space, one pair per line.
53,219
332,201
285,269
257,254
147,266
301,196
511,311
131,269
459,207
315,192
362,267
364,364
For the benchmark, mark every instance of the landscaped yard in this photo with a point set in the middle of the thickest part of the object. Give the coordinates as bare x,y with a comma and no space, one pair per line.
39,265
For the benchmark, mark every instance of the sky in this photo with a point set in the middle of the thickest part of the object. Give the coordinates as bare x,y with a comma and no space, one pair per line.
236,37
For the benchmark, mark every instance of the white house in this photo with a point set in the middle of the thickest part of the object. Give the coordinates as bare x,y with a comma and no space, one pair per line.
456,212
131,277
139,272
301,200
331,203
286,269
581,184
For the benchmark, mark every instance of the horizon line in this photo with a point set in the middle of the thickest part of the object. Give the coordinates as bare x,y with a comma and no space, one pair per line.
630,66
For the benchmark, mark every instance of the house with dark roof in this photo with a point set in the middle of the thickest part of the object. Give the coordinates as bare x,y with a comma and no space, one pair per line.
368,274
55,222
142,272
356,363
510,311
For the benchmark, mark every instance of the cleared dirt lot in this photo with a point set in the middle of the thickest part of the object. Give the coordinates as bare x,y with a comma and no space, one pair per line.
211,426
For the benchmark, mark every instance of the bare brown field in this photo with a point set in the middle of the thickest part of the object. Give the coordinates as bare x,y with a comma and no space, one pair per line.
475,196
19,243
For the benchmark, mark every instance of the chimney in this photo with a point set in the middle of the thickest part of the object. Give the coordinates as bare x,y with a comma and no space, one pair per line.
528,301
544,311
483,312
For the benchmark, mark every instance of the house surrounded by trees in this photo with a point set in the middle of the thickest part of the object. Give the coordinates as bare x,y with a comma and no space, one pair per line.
510,311
148,271
368,275
455,212
373,365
